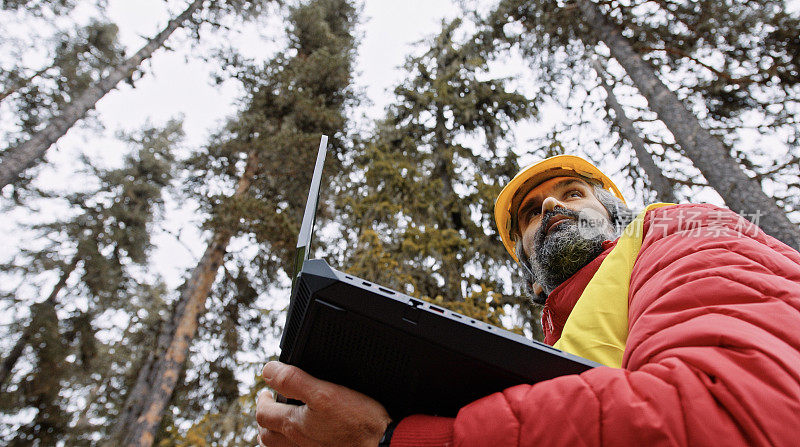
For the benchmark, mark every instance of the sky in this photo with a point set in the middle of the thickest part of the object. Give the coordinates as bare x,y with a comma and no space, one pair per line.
178,83
175,86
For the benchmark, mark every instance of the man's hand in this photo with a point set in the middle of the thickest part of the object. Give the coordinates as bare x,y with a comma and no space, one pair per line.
332,415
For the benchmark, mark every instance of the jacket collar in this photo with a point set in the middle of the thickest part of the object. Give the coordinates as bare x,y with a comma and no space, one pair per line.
562,299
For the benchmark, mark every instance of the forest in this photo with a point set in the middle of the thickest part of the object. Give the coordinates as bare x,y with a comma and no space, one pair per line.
146,268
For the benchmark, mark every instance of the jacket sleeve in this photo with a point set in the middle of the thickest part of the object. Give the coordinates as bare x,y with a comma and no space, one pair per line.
712,355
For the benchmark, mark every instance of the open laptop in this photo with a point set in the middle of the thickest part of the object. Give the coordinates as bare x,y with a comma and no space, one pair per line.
411,356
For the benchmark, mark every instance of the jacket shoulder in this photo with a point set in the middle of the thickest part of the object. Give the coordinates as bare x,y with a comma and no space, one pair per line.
687,225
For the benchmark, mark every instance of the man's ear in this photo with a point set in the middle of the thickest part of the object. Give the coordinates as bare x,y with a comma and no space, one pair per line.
537,288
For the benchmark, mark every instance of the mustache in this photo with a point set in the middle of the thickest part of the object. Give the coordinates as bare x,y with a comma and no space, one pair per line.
541,233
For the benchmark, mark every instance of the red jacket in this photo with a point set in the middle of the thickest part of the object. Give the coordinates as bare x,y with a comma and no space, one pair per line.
712,355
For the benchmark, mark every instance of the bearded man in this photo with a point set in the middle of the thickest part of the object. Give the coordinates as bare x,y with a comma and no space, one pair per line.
694,310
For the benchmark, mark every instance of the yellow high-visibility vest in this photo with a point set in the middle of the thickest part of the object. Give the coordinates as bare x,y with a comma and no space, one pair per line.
597,327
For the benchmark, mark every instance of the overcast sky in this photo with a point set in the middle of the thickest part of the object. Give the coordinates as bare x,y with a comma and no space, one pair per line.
174,85
178,83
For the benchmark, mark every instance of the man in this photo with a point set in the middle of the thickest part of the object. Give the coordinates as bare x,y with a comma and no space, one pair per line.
695,311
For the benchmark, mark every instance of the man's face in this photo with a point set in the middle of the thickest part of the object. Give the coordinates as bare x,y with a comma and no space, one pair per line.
563,226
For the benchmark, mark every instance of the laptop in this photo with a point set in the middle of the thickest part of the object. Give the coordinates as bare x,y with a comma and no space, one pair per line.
410,355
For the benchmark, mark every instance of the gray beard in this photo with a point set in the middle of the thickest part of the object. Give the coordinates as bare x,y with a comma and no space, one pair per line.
568,248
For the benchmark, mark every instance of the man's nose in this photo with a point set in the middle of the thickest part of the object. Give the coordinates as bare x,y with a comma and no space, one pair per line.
550,203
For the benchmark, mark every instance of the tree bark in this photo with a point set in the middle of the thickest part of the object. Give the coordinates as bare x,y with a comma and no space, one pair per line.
657,182
740,192
167,369
442,158
18,158
14,354
134,399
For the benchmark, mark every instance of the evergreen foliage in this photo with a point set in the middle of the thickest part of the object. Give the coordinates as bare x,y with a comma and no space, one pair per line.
251,181
94,255
80,58
39,7
96,341
23,154
33,95
423,213
733,62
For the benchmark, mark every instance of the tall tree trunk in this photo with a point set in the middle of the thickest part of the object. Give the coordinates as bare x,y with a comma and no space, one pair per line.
15,352
16,159
144,377
167,368
740,192
657,182
442,159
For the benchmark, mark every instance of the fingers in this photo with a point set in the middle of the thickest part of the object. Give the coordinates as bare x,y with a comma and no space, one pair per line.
332,414
268,438
280,424
270,414
292,382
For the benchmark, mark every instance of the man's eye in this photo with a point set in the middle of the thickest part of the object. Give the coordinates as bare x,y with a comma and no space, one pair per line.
527,214
574,193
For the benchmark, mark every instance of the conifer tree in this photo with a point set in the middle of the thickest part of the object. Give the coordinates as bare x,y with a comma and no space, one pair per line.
91,254
707,152
78,57
655,181
18,157
252,179
424,221
31,95
576,27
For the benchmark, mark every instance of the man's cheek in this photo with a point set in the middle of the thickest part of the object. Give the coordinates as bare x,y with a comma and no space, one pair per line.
592,222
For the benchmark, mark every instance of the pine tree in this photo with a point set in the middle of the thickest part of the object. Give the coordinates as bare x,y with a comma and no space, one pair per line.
578,26
19,157
706,151
79,57
424,211
252,180
91,254
740,64
32,95
655,181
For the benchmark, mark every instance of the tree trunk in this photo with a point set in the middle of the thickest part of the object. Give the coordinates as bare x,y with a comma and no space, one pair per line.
741,193
144,377
15,352
442,154
16,159
657,182
167,368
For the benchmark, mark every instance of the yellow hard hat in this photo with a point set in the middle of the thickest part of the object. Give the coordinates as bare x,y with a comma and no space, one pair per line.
505,207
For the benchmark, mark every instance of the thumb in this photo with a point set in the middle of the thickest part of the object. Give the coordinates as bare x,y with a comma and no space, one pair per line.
292,382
